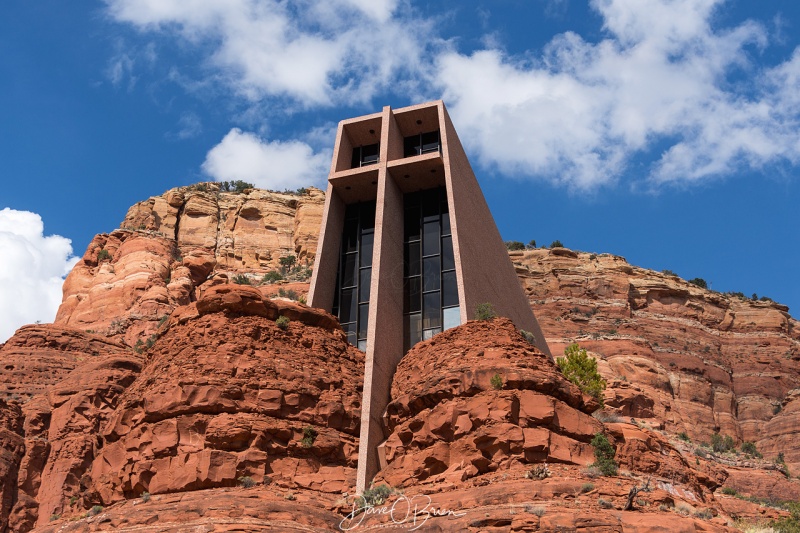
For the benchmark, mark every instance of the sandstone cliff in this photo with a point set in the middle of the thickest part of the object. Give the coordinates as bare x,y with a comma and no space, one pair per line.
160,377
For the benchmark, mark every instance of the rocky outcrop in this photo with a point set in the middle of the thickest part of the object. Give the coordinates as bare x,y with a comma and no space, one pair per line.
171,246
12,449
699,361
227,393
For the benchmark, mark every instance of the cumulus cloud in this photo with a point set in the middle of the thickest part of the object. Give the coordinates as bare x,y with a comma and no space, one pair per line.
275,165
32,270
663,79
315,52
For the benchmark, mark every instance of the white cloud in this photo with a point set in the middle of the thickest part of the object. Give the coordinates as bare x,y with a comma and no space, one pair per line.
663,77
31,272
272,165
316,52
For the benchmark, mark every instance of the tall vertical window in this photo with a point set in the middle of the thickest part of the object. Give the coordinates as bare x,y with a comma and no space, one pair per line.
422,143
351,299
365,155
430,290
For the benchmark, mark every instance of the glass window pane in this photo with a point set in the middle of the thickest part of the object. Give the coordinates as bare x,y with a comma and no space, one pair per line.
363,320
428,333
431,272
452,317
367,216
363,284
430,238
448,261
362,345
431,310
413,329
365,253
349,270
412,224
347,311
350,236
445,221
350,331
430,141
412,295
430,206
369,154
413,262
449,289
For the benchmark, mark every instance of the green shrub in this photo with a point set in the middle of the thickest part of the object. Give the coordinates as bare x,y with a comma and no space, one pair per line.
485,311
514,246
291,294
54,517
604,504
145,496
246,482
587,487
604,455
700,282
235,186
580,369
684,437
722,444
96,510
103,255
497,382
287,262
241,279
750,449
376,495
729,491
668,272
531,245
272,276
309,436
282,322
556,244
530,337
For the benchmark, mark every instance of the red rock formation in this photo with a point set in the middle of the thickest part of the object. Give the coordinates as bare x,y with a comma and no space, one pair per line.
700,361
221,392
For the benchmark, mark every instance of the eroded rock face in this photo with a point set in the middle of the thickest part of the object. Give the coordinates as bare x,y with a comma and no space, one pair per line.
227,393
476,398
61,422
700,361
12,448
170,247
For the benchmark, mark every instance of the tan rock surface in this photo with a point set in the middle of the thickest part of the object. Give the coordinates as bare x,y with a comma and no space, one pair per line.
698,361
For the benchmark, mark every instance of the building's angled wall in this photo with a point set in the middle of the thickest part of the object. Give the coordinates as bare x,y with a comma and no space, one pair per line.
385,330
485,270
326,262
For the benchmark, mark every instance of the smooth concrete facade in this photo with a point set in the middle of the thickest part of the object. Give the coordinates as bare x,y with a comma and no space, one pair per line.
483,269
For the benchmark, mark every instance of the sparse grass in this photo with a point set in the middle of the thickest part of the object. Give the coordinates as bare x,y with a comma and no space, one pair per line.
683,509
729,491
96,510
246,482
537,510
103,255
605,504
587,487
705,514
54,517
684,437
376,495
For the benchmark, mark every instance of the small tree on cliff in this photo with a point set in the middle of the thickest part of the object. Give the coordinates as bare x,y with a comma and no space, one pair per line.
580,369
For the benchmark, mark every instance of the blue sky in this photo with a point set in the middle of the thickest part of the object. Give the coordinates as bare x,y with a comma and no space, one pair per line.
665,131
